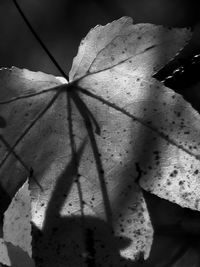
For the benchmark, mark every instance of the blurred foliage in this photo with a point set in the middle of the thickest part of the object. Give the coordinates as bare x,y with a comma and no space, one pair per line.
62,24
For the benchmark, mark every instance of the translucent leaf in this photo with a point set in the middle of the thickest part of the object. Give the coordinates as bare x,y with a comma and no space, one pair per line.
17,220
89,140
16,247
165,134
135,50
4,257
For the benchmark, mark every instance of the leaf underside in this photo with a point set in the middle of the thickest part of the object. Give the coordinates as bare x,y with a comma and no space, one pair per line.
91,140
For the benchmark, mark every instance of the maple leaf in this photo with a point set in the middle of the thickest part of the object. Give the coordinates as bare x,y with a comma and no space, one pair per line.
89,141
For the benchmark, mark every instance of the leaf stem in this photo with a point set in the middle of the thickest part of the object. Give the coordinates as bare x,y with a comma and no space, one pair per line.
39,40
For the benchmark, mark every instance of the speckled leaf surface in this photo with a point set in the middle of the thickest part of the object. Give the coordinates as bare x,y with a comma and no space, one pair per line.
17,220
88,165
18,115
16,244
4,257
169,160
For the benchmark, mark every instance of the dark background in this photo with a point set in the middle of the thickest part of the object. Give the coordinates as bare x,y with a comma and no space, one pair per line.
61,25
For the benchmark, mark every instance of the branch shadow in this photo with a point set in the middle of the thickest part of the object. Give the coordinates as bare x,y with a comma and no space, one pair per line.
3,122
77,240
150,154
68,240
86,115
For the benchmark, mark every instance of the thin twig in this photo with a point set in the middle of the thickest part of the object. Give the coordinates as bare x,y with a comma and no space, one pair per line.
39,40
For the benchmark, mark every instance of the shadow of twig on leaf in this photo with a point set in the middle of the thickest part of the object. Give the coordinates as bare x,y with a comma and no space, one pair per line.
61,240
85,113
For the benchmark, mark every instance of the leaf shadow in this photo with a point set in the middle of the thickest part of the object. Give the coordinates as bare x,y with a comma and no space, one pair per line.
176,231
149,152
76,240
86,115
18,257
71,241
95,229
3,122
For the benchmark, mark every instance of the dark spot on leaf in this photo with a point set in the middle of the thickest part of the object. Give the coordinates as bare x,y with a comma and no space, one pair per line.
186,195
174,173
196,172
169,182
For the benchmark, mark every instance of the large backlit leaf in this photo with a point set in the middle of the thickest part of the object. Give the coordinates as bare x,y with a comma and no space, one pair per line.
88,141
166,147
